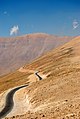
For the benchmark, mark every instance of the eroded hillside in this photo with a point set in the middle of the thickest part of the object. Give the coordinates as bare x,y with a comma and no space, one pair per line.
17,51
58,95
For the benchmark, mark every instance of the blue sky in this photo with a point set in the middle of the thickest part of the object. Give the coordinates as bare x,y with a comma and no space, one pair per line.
58,17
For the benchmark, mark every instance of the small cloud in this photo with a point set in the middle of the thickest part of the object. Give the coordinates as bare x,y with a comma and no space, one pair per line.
75,24
14,30
5,12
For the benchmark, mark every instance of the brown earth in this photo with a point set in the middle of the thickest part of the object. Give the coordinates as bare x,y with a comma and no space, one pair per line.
17,51
58,95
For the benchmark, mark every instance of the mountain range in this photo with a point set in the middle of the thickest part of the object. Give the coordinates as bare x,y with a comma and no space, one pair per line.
57,95
17,51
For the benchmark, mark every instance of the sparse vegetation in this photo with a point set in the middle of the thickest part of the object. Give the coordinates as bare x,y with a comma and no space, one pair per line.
57,96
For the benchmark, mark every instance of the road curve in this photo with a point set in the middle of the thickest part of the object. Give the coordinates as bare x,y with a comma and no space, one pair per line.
39,77
9,102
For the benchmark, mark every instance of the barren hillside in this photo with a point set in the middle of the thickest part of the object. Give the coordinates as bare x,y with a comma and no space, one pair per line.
57,96
15,52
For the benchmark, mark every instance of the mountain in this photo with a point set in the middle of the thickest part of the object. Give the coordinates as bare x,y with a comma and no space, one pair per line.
57,96
15,52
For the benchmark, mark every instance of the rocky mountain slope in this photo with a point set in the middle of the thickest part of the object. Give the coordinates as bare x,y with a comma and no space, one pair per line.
57,96
15,52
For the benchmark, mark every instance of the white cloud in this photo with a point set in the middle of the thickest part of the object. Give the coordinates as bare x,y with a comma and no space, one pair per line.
14,30
75,24
5,12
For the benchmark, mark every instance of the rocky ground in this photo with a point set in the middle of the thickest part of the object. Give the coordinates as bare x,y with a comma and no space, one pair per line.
58,95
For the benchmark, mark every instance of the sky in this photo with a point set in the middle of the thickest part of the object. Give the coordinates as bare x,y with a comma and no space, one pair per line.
57,17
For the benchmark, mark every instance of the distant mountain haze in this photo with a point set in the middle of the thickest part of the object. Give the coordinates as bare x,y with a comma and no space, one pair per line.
17,51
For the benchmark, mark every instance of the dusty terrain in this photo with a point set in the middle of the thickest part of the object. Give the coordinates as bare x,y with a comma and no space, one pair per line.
58,95
21,102
17,51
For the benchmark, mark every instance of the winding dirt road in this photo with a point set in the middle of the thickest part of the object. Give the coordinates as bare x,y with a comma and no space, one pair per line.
9,99
9,102
39,77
